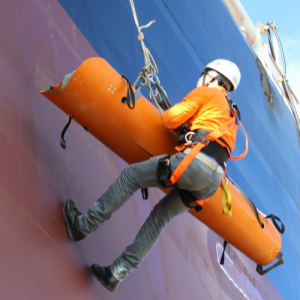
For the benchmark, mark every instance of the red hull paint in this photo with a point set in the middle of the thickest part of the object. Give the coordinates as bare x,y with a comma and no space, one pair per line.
40,44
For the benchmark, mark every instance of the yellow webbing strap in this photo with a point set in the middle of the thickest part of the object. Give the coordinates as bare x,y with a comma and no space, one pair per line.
226,199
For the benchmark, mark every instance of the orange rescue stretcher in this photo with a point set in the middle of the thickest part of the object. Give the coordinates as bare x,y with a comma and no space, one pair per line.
94,95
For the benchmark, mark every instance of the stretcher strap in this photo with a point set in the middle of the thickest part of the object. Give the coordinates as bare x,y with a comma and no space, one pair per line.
222,261
130,100
144,193
251,204
62,141
226,199
274,218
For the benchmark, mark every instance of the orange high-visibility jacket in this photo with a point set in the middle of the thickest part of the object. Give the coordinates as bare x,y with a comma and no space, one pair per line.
203,108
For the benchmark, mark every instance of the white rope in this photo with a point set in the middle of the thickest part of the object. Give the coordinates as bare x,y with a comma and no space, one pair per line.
147,55
149,70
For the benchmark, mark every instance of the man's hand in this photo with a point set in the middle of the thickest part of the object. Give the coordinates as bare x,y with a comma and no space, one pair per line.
183,127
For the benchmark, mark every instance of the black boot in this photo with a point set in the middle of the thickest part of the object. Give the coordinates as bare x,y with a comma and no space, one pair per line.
71,214
104,275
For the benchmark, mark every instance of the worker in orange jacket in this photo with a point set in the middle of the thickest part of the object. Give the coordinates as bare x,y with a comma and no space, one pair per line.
202,111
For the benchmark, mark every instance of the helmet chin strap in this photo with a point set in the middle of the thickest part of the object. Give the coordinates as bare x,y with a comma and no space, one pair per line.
204,75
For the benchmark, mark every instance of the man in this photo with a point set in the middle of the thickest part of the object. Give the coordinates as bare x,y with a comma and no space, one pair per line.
204,110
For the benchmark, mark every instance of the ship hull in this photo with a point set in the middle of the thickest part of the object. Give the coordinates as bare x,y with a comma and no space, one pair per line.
41,41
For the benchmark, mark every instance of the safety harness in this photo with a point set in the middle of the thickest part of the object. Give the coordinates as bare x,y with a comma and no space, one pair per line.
201,140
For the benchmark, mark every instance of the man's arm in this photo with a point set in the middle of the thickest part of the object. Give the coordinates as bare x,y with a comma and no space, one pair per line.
183,111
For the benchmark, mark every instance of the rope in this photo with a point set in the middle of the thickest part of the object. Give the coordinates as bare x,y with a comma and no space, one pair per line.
150,68
147,55
285,85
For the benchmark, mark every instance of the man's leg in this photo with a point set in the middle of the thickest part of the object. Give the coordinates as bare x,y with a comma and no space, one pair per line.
200,178
163,212
132,178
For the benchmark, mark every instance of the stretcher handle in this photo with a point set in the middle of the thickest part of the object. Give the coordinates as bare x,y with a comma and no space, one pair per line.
261,271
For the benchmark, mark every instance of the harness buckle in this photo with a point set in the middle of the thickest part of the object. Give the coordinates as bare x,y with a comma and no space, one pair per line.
188,137
168,183
205,141
237,110
164,171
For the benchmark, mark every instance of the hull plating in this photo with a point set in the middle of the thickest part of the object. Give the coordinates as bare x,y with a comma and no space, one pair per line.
40,43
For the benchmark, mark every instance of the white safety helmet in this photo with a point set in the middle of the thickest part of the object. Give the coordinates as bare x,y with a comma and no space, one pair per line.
227,69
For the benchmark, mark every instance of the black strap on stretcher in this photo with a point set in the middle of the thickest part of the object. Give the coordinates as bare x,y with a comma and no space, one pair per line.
274,218
62,141
254,209
222,261
144,193
281,229
130,99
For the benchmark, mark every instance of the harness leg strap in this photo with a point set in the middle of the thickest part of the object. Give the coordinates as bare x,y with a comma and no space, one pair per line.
164,172
189,200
